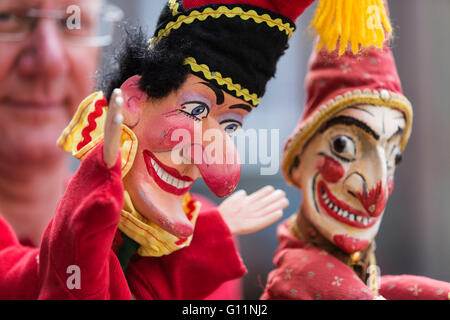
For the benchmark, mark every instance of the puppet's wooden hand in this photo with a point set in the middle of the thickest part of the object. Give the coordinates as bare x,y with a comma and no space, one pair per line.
250,213
113,128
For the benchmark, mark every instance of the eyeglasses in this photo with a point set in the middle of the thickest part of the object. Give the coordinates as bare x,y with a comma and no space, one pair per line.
83,25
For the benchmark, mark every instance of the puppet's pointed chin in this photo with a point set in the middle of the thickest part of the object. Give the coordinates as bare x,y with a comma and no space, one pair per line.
174,222
221,179
164,210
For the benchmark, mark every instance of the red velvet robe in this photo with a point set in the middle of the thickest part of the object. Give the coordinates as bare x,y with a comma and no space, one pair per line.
305,272
81,234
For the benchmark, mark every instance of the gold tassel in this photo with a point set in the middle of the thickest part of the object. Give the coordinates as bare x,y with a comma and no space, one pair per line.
360,23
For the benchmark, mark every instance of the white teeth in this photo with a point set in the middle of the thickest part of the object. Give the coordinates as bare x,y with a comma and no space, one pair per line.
343,213
166,177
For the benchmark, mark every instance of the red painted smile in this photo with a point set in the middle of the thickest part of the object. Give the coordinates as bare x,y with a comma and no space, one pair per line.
341,211
167,178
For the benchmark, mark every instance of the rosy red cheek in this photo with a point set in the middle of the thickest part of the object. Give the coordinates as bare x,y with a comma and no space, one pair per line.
330,169
163,134
390,184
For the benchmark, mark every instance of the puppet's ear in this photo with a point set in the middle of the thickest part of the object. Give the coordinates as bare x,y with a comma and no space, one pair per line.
134,99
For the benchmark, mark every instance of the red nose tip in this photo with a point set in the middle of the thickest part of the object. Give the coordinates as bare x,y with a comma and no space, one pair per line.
374,201
221,176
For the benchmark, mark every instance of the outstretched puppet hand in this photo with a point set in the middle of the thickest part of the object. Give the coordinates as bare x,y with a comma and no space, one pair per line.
250,213
113,128
76,259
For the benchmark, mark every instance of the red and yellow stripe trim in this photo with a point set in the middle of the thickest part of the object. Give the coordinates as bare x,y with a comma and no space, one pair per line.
85,132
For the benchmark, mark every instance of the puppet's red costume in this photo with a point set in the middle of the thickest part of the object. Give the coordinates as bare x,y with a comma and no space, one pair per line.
86,221
308,266
129,263
312,269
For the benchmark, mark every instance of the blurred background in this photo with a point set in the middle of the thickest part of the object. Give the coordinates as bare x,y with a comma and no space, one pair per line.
414,237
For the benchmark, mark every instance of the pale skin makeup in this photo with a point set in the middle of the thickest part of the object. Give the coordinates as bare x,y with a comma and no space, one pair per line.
157,185
346,173
42,80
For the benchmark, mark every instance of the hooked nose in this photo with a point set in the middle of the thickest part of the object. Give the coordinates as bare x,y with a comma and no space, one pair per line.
373,200
369,186
217,159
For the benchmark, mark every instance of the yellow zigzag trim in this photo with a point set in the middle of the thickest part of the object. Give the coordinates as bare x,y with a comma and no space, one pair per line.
241,92
173,6
230,13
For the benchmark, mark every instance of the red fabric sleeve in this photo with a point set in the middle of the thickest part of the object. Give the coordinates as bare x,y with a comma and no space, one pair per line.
81,234
408,287
230,290
313,274
192,272
18,266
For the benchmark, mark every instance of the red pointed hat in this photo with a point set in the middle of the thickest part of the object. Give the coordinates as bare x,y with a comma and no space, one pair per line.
237,43
290,9
335,82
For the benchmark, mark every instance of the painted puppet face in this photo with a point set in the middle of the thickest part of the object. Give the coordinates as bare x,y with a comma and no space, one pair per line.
182,137
346,173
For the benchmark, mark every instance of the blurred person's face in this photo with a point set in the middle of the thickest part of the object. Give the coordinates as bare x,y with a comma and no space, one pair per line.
346,174
42,79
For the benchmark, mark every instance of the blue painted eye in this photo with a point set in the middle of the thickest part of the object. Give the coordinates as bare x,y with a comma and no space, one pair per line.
198,110
230,126
195,110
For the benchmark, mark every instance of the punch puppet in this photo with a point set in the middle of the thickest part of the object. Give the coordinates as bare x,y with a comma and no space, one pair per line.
343,156
127,225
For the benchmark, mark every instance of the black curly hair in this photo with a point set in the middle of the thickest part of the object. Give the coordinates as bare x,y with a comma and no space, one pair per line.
161,67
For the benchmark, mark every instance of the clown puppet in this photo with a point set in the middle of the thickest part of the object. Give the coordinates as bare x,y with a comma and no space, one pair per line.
126,224
343,156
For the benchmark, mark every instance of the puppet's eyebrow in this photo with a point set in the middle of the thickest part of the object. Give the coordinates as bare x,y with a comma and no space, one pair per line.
220,98
241,106
350,121
397,133
360,109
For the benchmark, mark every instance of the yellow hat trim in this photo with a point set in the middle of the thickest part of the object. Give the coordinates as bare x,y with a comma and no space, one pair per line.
228,82
229,13
382,98
173,6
